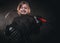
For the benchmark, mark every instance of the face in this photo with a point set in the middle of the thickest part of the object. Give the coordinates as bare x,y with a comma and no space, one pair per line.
24,9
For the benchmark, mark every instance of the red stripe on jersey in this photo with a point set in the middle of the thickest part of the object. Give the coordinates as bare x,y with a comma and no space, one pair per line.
43,20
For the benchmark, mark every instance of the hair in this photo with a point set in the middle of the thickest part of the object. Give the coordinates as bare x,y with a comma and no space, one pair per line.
20,4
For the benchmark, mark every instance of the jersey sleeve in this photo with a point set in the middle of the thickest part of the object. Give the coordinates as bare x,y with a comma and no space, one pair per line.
43,20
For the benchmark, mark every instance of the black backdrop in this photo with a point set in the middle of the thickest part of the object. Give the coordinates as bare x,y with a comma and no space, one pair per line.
44,8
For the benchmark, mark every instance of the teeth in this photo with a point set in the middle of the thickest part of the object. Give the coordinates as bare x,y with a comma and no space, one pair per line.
24,11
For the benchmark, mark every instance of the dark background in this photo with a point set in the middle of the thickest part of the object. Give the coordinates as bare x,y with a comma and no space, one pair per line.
44,8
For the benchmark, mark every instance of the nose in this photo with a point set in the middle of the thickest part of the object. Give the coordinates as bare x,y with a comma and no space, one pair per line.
23,8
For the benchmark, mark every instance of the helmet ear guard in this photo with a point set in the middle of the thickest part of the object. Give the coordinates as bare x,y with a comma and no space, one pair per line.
11,33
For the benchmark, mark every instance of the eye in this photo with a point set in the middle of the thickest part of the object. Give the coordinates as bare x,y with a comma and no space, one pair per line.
25,7
21,7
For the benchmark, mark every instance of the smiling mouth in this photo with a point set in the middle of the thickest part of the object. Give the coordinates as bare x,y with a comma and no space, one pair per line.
23,11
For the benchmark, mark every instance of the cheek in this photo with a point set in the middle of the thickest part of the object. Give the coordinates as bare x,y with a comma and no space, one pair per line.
20,9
